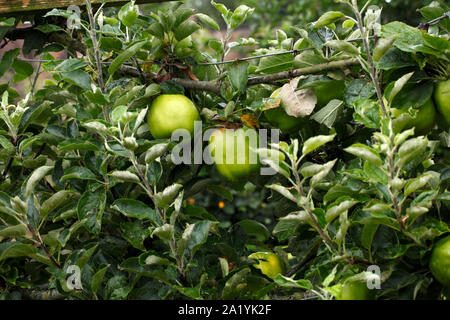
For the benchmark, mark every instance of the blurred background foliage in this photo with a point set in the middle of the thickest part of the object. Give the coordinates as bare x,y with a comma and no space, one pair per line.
281,13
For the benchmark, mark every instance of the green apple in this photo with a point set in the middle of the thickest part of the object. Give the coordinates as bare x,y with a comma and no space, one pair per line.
442,99
423,122
269,263
328,91
170,112
355,290
440,261
233,152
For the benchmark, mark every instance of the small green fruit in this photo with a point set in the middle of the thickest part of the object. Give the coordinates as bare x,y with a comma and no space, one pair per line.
442,98
440,261
356,290
234,152
270,264
170,112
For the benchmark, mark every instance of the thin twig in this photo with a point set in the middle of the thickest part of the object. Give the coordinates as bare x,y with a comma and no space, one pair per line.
424,25
270,78
311,255
95,44
36,76
373,72
98,60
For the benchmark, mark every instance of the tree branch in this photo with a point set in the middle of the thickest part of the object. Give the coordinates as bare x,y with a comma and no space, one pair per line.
270,78
215,86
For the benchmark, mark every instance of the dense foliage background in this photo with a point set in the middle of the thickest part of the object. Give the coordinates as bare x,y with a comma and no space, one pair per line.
93,207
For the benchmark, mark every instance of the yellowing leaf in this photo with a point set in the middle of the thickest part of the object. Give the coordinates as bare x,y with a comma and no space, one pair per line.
250,120
300,103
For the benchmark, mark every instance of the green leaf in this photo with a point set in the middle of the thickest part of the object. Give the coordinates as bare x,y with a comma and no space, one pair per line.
55,201
128,14
164,198
238,75
118,112
255,228
185,29
208,20
367,234
375,173
79,78
316,142
155,152
287,282
15,250
117,288
239,15
348,24
67,65
198,212
328,18
358,89
399,84
413,95
182,14
77,144
164,232
91,207
96,97
221,191
415,184
339,207
328,114
310,169
19,230
367,111
283,191
97,279
8,60
343,46
232,286
322,173
81,173
32,113
135,233
48,28
224,267
382,47
124,176
199,235
135,209
274,64
410,149
365,152
34,179
157,30
411,39
125,56
22,70
6,143
221,7
7,22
